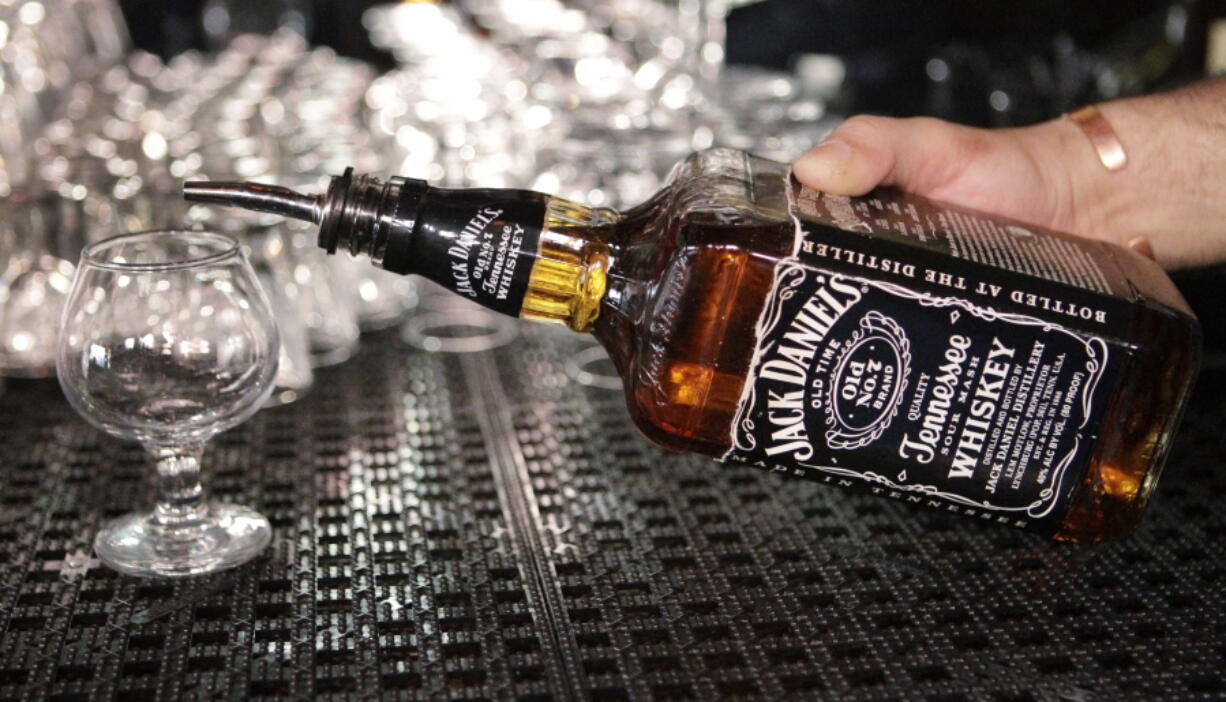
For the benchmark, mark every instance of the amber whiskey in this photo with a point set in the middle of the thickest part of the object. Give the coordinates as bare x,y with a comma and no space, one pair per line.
887,343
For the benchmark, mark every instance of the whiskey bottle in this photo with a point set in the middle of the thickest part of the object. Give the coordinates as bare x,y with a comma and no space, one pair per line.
922,352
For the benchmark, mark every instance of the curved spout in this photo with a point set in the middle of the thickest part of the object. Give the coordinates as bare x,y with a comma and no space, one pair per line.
257,196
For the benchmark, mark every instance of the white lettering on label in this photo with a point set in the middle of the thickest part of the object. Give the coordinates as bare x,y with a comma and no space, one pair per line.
983,406
937,412
1058,306
790,360
459,251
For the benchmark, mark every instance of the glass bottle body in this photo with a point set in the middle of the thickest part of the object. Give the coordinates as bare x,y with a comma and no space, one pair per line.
692,271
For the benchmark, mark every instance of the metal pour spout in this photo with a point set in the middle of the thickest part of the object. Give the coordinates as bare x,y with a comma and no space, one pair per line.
258,197
358,213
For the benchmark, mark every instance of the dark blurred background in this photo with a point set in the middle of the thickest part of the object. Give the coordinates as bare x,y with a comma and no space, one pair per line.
983,62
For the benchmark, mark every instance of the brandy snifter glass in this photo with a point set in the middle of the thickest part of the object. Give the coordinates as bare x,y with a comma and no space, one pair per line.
167,339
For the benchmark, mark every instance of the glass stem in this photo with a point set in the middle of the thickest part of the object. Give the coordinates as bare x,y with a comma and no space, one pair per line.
712,45
181,499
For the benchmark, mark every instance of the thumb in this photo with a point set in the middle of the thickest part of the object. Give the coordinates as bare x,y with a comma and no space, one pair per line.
917,154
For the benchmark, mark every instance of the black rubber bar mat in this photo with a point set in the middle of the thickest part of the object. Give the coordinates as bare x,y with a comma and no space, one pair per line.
491,526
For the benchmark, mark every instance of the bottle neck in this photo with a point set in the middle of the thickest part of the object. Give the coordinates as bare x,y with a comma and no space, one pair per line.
570,274
518,252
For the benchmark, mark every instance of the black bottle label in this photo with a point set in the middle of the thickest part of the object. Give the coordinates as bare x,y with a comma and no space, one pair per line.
478,243
919,391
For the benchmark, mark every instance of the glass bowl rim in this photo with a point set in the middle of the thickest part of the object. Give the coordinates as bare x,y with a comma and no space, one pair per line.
229,248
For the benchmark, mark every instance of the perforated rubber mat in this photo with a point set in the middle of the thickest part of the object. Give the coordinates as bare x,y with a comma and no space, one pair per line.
487,526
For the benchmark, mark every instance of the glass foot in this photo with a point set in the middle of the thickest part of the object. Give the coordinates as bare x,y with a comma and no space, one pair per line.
593,367
227,536
460,329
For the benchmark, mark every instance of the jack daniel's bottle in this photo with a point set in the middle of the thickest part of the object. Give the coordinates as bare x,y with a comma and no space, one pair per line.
888,343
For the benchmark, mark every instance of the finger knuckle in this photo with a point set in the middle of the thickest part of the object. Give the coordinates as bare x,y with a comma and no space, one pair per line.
860,127
962,142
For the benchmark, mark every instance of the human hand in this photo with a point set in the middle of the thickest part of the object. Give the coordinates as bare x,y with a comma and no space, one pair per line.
1005,172
1046,174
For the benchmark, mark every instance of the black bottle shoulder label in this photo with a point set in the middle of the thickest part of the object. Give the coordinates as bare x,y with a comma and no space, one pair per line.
480,244
918,394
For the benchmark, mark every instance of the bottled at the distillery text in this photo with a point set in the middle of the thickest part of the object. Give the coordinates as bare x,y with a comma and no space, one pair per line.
887,343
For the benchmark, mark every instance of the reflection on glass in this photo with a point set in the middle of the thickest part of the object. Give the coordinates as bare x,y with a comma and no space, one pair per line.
167,339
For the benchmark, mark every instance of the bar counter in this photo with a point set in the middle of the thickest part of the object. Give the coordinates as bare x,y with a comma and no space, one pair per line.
490,525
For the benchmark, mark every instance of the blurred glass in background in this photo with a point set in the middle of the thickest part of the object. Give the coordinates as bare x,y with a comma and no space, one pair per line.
108,106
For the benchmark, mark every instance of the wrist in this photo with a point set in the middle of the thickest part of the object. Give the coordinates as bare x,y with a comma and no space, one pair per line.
1170,190
1073,179
1094,165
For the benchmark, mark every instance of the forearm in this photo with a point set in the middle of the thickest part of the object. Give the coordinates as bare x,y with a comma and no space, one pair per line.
1173,189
